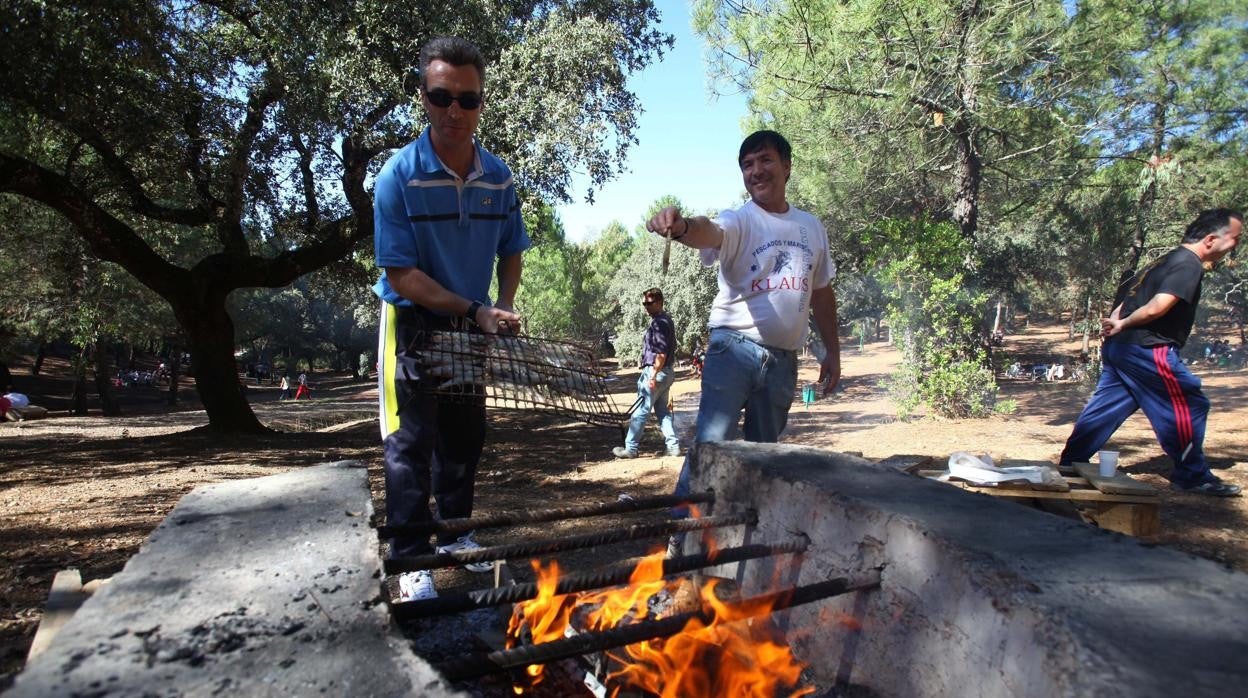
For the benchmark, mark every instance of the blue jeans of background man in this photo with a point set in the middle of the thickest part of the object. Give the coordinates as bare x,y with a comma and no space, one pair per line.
741,374
655,401
1155,380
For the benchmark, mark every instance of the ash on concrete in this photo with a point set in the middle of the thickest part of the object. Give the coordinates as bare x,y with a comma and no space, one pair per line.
263,587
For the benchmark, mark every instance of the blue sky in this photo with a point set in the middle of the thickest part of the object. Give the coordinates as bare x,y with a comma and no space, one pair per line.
688,141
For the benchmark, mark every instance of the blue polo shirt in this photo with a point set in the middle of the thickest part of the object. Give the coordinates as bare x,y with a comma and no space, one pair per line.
453,230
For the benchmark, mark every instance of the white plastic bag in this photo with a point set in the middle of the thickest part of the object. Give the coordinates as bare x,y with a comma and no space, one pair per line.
980,470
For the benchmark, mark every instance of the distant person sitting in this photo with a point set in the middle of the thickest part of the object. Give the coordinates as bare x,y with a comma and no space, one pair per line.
11,405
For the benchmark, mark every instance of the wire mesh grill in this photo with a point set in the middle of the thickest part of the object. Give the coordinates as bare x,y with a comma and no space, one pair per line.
515,372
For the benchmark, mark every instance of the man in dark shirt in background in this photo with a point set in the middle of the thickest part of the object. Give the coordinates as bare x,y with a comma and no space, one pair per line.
1151,320
658,352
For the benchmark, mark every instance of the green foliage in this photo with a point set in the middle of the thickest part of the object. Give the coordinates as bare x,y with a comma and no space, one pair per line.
898,109
550,291
688,291
935,319
210,147
1069,142
56,292
603,258
564,288
327,318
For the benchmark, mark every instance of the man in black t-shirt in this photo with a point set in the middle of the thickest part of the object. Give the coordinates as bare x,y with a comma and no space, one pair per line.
1152,318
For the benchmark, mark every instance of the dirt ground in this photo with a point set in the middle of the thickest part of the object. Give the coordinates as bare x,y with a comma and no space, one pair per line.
85,491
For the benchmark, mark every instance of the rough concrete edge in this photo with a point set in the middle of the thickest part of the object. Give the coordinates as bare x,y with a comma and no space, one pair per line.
1014,588
416,671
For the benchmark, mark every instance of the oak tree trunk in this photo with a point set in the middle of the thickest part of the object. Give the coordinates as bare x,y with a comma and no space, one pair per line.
210,334
103,381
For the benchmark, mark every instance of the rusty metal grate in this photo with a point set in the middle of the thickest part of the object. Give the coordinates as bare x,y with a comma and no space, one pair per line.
583,643
514,372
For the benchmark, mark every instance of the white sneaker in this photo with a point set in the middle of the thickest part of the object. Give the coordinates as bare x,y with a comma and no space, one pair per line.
417,586
464,544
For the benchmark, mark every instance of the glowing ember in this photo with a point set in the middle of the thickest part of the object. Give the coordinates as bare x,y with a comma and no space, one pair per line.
729,657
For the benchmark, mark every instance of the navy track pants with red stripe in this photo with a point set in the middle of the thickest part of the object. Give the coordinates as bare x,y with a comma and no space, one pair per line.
1152,379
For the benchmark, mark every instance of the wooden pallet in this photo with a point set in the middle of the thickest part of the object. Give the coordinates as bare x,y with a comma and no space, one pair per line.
1117,503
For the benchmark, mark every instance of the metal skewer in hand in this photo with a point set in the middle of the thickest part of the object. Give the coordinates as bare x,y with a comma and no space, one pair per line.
667,248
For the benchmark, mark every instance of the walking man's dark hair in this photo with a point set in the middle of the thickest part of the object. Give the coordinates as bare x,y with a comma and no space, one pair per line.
1212,222
653,293
453,50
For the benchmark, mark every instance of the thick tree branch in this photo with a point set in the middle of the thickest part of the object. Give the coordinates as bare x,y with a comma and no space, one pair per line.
312,215
140,202
109,238
195,155
230,232
354,172
224,272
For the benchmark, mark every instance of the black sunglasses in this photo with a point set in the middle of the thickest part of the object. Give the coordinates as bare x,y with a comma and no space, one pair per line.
649,302
442,99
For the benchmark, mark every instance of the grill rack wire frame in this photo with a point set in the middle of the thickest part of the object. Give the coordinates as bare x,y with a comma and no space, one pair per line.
514,371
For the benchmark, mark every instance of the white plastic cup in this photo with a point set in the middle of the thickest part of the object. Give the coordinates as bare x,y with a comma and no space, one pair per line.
1108,462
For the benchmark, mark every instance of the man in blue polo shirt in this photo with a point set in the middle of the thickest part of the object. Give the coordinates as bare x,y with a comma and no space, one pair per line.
446,217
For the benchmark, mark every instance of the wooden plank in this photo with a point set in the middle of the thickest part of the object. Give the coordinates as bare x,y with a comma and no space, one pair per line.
1062,486
907,462
1131,519
1076,495
1115,504
64,599
1024,463
1120,483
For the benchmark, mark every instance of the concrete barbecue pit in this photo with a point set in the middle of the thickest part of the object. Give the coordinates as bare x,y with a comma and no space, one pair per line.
271,587
981,597
261,587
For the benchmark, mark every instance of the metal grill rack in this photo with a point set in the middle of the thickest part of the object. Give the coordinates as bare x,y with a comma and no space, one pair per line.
478,664
515,372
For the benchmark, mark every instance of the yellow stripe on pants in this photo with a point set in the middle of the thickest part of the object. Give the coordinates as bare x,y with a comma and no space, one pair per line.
387,369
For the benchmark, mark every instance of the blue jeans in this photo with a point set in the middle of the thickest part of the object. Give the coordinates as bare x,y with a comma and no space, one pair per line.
741,374
656,401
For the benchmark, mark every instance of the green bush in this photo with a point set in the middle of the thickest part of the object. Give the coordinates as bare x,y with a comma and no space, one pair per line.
935,319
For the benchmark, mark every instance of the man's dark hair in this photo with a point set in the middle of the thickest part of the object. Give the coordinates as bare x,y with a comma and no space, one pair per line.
653,294
1212,222
453,50
761,139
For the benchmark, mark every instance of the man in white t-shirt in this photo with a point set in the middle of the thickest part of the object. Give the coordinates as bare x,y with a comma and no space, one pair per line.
774,271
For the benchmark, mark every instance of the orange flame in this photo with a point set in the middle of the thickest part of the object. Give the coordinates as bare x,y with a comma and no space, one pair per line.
730,656
546,616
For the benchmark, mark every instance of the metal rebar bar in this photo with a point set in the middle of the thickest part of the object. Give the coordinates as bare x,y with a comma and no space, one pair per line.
481,664
548,546
483,598
622,506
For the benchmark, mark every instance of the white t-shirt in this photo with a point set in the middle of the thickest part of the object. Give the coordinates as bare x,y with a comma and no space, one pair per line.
768,265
